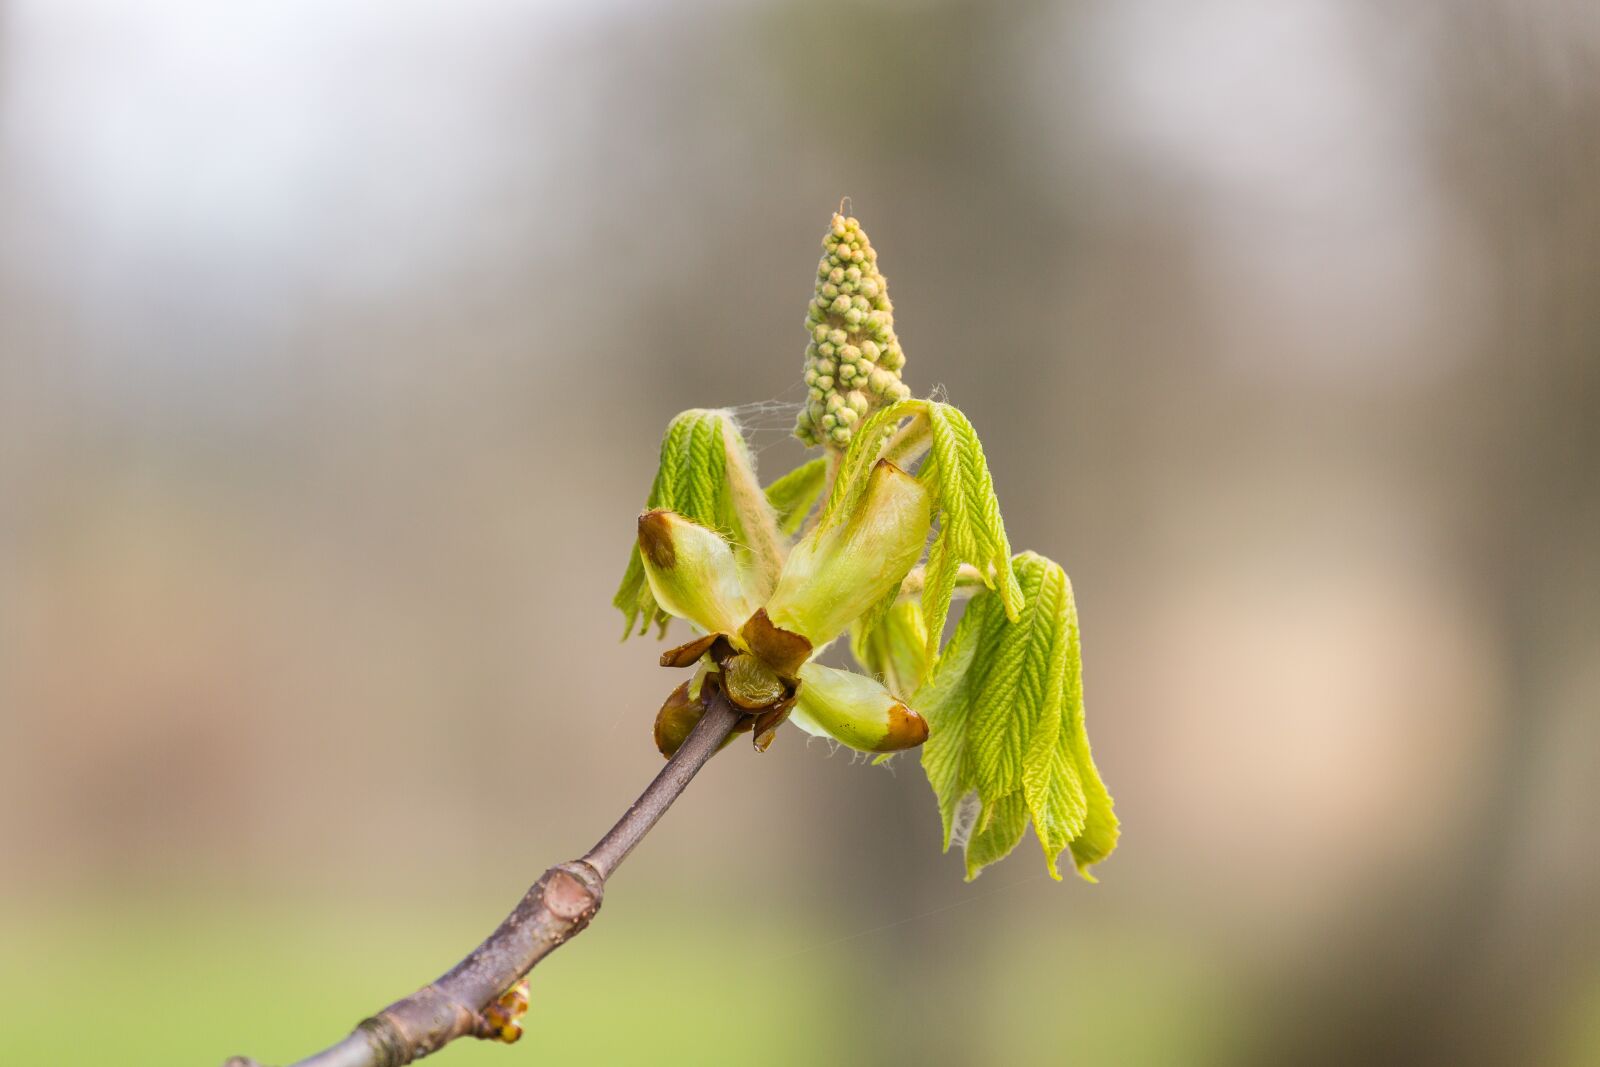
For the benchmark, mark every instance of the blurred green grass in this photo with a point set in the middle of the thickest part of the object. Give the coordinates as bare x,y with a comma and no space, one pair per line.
163,985
168,981
162,982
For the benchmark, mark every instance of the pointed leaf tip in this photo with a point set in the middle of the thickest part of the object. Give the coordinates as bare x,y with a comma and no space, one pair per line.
1006,707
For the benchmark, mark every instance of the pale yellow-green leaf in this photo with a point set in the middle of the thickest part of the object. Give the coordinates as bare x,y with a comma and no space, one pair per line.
793,495
891,642
969,529
1005,707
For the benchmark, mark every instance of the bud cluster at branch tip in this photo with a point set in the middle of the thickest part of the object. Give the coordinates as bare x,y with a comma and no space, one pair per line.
853,360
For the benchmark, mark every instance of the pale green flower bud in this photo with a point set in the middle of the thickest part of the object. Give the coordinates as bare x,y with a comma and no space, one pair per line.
835,402
855,710
870,350
858,402
825,382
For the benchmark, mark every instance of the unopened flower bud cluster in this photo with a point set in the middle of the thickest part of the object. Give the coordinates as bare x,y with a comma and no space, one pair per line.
853,361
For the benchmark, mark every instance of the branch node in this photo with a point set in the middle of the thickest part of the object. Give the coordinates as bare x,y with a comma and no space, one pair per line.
574,892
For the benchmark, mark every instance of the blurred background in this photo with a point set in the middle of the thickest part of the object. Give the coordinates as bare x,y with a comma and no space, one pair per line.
336,340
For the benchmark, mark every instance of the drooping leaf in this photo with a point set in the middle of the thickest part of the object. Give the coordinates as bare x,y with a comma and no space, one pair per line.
793,495
994,839
706,474
1005,707
969,529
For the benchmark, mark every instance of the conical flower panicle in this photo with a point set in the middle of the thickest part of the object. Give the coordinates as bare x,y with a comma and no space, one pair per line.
854,360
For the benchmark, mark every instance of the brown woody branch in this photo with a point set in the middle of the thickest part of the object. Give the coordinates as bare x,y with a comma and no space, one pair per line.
462,1003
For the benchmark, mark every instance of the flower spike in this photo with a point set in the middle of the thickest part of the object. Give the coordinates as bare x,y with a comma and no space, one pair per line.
854,360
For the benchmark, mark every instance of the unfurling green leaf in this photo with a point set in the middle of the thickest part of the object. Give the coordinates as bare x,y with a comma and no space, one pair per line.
707,474
970,529
793,495
892,643
1005,706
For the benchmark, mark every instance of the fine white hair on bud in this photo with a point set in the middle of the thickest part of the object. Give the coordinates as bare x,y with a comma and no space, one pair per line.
853,352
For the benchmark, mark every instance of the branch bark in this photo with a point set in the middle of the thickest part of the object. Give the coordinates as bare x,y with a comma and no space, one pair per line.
555,909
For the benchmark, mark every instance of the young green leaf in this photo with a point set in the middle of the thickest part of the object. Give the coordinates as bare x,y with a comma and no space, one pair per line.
793,495
707,474
1005,707
969,527
892,643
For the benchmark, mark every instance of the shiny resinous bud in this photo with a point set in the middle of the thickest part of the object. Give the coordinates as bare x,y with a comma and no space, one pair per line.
853,360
